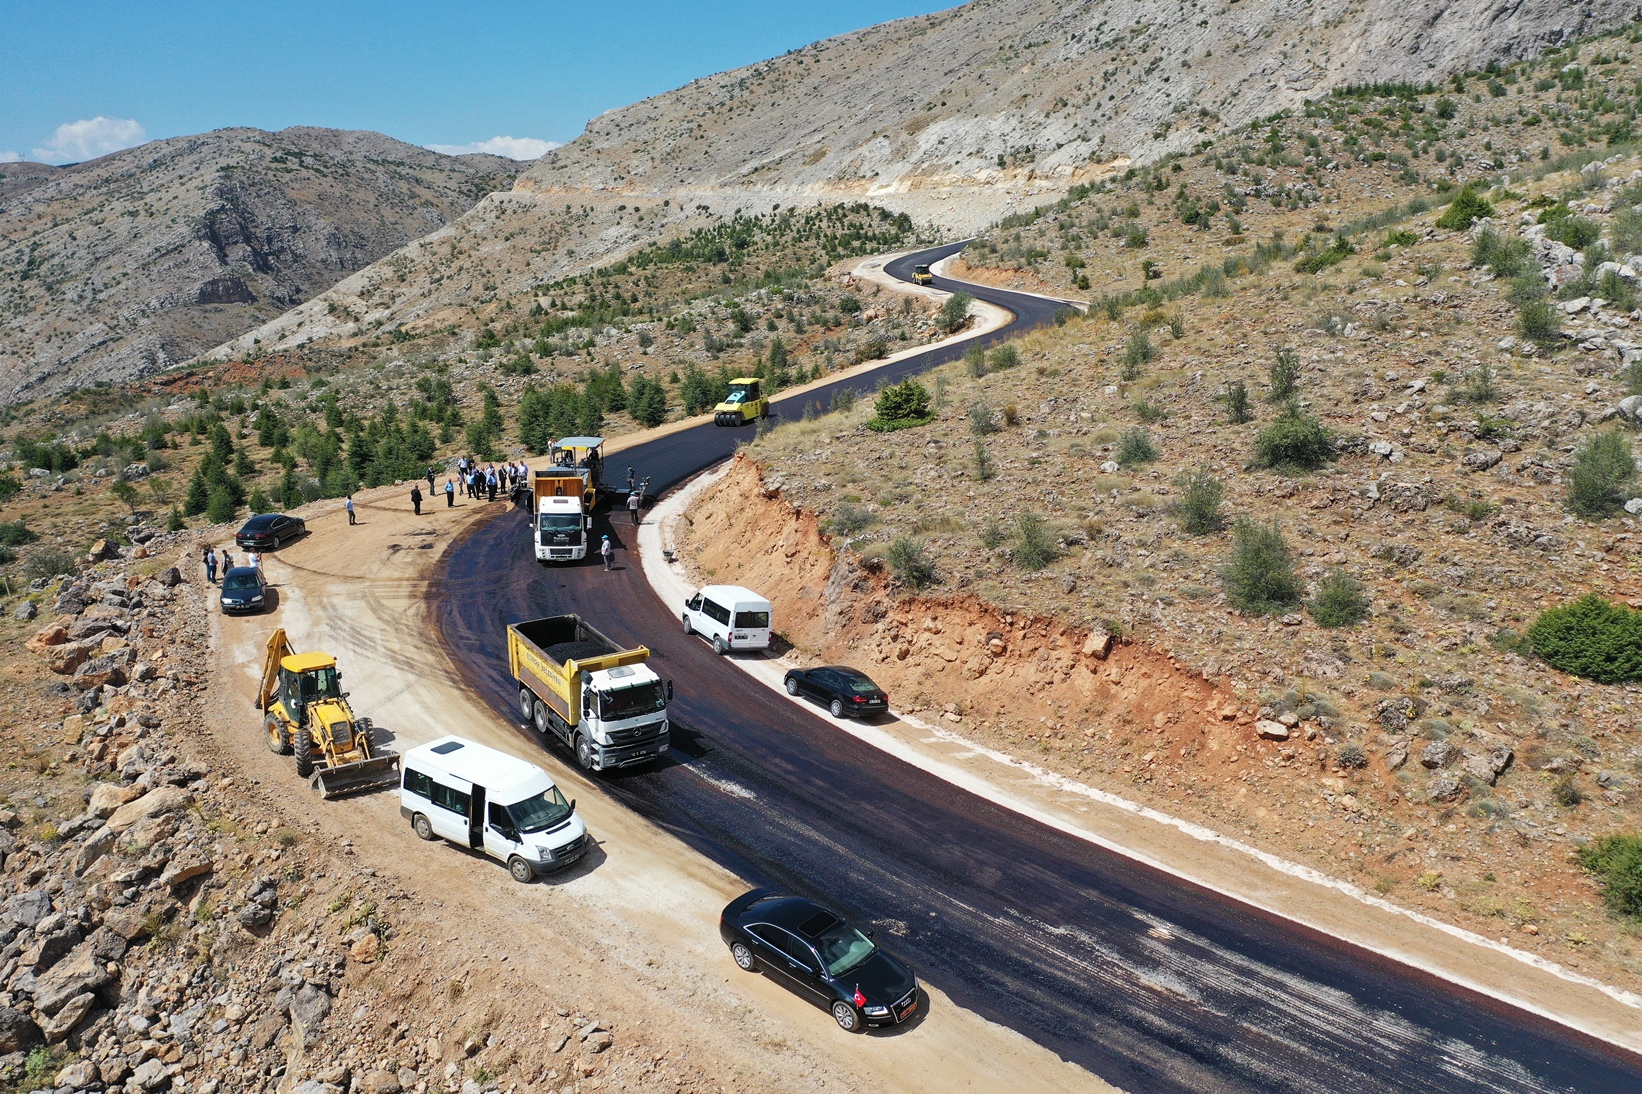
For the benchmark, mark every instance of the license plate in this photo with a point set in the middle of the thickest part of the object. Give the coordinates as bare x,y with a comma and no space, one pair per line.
907,1013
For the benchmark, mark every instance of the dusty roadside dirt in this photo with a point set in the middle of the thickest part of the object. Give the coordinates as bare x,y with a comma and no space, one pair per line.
968,673
630,934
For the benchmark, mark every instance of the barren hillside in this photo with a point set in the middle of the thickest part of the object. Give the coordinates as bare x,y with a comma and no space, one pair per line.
123,265
956,118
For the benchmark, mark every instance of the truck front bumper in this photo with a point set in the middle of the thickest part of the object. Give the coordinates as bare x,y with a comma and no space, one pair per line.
636,750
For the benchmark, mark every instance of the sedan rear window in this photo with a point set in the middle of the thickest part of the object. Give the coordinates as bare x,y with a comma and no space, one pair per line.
861,685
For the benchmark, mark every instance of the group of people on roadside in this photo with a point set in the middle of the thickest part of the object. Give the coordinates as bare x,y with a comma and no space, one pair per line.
212,559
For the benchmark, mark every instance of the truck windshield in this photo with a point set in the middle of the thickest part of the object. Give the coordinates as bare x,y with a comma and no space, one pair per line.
561,522
543,811
633,701
752,620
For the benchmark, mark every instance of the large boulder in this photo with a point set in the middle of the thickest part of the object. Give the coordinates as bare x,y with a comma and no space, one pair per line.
27,909
167,799
106,798
75,975
71,1014
18,1033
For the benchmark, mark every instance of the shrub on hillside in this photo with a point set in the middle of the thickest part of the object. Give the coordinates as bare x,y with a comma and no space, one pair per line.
1259,575
1538,322
906,559
1616,860
1237,403
1295,441
1284,375
1134,448
1137,355
1034,547
901,406
1506,257
1199,504
955,312
1340,601
1603,475
981,420
1468,205
1591,637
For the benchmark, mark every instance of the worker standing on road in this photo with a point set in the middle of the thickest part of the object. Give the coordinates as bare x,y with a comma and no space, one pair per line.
633,506
606,551
632,477
416,498
348,505
210,561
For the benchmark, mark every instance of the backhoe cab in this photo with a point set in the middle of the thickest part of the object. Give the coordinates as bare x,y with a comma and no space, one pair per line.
306,712
922,276
745,403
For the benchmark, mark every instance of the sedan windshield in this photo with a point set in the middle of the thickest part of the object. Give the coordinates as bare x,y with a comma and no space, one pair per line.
843,948
633,701
541,812
238,583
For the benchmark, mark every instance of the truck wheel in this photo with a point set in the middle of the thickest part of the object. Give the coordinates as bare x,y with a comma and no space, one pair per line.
837,708
527,703
521,870
304,748
279,734
420,825
687,628
540,718
718,646
584,752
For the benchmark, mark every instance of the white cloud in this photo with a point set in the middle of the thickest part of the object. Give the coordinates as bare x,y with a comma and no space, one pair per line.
89,138
514,148
11,157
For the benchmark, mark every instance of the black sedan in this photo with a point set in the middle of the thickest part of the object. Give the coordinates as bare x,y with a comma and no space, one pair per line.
844,691
242,590
266,531
816,954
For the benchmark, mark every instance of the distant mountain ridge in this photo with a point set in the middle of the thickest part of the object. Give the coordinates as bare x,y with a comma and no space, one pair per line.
123,265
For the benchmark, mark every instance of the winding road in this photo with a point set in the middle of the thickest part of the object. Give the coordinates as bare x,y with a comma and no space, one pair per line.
1147,981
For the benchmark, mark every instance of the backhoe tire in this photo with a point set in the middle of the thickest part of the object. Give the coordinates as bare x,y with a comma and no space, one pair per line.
521,870
527,704
303,746
278,734
584,752
367,735
422,827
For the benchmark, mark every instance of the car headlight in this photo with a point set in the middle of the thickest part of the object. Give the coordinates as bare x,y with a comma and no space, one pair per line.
544,853
877,1012
256,600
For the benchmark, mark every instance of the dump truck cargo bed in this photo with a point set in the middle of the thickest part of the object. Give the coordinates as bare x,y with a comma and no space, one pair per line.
550,655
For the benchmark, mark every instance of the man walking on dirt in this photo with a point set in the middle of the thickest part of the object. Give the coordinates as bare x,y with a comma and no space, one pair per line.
416,498
348,505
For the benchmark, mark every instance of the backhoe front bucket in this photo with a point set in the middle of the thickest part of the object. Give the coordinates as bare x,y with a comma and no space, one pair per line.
356,778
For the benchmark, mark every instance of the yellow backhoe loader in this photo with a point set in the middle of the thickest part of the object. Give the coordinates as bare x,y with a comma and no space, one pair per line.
305,711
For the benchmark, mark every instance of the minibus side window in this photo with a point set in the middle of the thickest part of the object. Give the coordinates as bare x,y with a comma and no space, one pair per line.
418,783
446,797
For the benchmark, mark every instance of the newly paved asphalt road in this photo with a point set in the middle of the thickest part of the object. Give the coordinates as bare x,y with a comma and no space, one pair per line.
1151,983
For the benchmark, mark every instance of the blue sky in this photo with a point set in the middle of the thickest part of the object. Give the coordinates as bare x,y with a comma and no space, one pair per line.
87,78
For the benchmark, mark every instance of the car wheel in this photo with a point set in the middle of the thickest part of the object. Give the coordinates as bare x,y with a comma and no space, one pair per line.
718,646
584,752
303,745
527,703
792,686
837,708
846,1017
521,871
276,543
421,826
279,735
743,956
687,628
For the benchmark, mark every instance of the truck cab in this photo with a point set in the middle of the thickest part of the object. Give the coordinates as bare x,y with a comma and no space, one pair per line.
746,402
562,528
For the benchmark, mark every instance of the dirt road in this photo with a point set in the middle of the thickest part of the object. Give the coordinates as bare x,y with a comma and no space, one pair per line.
630,931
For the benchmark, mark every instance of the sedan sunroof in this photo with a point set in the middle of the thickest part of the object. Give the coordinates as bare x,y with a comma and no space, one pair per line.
815,924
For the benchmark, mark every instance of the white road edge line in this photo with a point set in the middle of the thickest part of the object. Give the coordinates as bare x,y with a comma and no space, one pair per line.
668,581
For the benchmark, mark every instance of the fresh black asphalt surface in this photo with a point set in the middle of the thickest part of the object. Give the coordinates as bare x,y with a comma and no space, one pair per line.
1147,981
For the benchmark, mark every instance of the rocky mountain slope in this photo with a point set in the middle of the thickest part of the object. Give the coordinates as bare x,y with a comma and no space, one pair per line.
123,265
956,118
